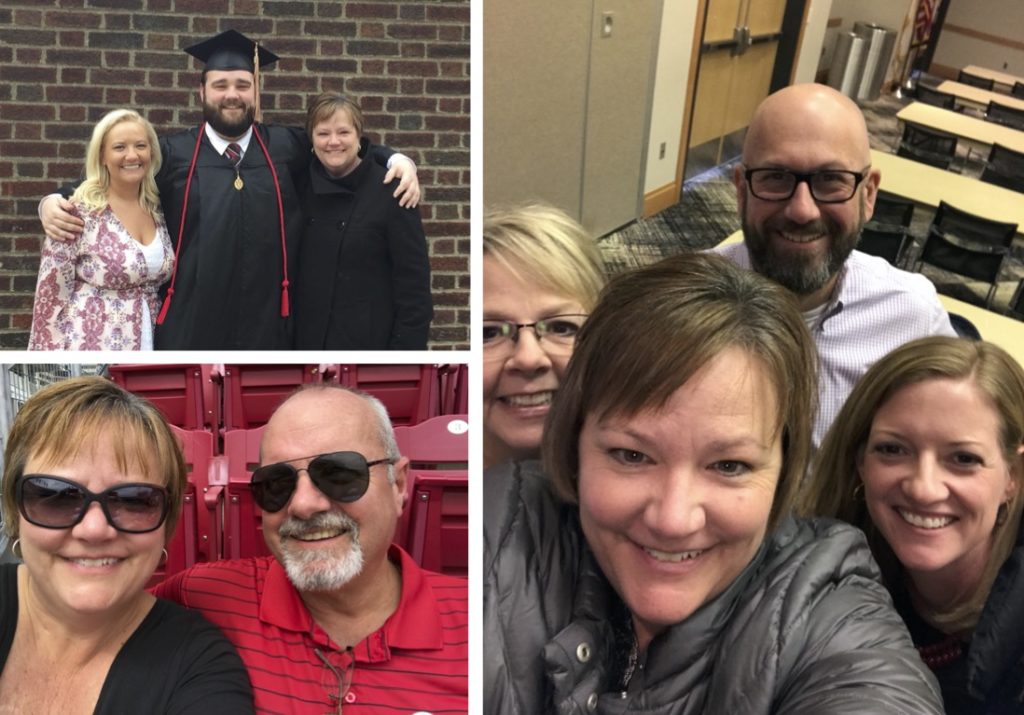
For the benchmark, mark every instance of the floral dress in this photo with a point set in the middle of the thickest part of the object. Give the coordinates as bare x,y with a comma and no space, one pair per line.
92,292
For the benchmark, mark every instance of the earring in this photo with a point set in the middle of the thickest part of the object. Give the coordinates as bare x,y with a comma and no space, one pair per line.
163,561
858,492
1003,513
14,549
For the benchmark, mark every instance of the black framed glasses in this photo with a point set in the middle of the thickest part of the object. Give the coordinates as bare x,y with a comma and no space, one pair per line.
59,503
342,476
828,186
557,332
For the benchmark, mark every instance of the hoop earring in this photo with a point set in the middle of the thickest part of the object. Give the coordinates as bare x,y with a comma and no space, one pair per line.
858,492
163,561
1003,513
14,549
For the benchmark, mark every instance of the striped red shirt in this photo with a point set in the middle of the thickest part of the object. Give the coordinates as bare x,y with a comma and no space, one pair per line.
415,663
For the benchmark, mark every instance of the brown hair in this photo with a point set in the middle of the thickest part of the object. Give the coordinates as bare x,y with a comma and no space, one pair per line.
324,106
655,327
836,476
64,418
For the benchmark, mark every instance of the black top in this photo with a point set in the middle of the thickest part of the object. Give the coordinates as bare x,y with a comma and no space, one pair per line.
174,662
364,272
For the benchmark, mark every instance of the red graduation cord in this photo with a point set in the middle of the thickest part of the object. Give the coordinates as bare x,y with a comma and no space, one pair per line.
184,208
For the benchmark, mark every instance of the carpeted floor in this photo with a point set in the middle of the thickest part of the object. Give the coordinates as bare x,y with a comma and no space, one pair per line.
706,214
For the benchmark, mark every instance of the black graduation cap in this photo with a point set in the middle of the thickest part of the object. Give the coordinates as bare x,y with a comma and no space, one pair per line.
231,50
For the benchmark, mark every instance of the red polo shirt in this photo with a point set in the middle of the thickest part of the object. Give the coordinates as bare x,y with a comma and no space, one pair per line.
417,662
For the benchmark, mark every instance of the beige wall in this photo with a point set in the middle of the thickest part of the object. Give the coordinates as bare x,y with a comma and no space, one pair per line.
999,19
675,49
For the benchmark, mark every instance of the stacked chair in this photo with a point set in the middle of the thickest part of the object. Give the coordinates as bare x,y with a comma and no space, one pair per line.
219,412
969,245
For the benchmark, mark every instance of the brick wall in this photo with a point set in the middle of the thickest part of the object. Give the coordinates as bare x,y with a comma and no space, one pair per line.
64,63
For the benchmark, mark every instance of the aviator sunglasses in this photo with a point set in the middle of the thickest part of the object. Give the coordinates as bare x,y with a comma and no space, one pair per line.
58,503
342,476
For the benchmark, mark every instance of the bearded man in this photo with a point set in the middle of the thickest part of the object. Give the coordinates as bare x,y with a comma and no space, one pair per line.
804,189
229,189
338,614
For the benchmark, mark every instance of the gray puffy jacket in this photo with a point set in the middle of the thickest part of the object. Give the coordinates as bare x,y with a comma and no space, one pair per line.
805,629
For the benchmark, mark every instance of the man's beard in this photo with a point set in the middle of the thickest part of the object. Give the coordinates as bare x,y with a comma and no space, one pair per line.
800,274
321,569
212,115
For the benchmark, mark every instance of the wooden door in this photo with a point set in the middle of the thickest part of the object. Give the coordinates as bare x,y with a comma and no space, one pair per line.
738,51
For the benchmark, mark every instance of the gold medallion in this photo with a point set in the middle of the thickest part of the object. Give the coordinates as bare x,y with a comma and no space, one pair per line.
238,183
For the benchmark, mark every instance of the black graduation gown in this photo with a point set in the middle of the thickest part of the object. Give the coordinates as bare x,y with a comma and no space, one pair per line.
227,293
364,272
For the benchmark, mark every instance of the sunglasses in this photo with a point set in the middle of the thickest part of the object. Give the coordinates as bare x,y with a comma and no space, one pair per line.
58,503
342,476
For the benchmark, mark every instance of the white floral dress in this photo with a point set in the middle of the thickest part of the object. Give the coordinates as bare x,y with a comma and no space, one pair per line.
92,292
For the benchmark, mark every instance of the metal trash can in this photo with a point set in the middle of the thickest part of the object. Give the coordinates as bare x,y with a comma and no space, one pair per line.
880,42
847,63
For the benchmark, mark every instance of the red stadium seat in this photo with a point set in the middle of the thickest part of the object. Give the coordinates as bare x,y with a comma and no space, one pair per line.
185,394
410,392
253,392
197,536
434,527
243,535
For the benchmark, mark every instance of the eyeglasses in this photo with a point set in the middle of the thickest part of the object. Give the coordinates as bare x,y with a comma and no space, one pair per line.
337,678
58,503
342,476
828,186
558,332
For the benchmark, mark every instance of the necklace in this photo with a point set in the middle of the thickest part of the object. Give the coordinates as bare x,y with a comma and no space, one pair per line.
942,653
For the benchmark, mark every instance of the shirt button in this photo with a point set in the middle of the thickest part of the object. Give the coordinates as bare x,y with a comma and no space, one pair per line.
583,652
592,702
350,697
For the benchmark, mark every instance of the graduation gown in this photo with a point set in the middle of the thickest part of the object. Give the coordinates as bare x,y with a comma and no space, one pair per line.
227,293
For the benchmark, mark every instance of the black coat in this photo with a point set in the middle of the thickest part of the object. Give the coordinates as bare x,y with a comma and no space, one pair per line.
364,273
227,293
988,676
806,628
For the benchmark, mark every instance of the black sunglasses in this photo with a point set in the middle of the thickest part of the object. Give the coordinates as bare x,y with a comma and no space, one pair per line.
58,503
342,476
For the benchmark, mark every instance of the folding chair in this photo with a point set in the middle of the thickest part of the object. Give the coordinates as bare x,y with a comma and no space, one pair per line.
243,521
927,146
975,81
434,528
968,245
1004,167
930,95
1007,116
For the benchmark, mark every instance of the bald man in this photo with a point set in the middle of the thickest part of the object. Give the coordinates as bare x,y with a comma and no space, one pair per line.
338,617
804,190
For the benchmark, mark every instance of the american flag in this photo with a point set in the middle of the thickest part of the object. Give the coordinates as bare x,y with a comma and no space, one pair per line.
923,20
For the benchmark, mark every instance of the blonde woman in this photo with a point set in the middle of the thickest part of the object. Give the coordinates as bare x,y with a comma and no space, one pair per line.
926,458
100,292
542,276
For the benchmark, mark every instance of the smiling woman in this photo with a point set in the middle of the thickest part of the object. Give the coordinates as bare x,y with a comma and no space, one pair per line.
655,566
926,457
100,292
542,276
92,488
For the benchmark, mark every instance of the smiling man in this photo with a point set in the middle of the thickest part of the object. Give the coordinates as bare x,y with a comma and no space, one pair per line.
338,614
805,188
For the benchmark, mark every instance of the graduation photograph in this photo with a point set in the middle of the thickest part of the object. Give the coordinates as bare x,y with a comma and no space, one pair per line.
245,176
